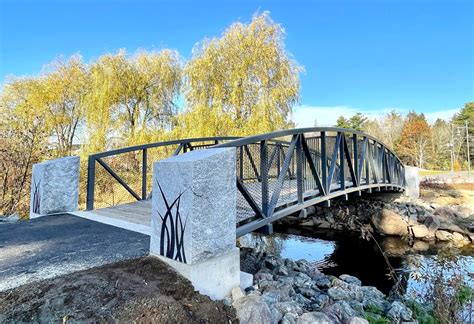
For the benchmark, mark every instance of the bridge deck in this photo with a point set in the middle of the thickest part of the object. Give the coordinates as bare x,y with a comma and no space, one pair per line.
136,216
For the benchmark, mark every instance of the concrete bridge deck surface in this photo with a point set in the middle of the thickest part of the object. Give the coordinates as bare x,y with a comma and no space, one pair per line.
54,245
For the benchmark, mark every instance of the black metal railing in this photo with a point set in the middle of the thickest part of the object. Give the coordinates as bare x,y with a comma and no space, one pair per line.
279,173
283,172
169,148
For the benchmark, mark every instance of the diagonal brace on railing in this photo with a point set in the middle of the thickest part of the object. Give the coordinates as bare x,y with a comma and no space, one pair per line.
333,162
312,167
281,177
362,158
248,197
355,183
118,178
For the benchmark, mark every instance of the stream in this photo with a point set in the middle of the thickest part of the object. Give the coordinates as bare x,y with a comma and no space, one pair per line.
337,253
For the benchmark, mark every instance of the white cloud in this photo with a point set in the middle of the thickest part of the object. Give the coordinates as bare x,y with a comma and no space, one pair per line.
446,114
305,116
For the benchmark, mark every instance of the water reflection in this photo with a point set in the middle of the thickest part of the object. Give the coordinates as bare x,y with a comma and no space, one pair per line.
339,253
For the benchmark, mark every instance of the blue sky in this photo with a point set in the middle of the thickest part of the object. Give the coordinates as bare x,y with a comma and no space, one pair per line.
360,55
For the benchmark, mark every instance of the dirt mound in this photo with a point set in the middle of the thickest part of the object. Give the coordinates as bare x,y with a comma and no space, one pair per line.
139,290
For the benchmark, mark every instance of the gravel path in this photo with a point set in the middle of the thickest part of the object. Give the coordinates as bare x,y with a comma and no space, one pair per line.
51,246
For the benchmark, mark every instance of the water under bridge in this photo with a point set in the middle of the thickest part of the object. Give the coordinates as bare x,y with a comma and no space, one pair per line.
278,174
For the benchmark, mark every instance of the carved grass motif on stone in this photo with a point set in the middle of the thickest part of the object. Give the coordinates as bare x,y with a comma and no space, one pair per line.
172,229
36,197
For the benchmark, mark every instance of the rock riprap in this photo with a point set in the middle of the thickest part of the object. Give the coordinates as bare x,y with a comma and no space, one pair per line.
417,220
287,291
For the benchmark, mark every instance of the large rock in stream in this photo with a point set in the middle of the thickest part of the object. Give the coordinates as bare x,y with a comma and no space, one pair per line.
389,223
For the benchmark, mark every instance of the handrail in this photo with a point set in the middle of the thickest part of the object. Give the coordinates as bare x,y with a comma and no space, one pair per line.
287,132
159,144
183,145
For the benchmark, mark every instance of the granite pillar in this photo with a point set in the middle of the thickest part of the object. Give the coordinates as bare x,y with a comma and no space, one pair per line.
54,187
194,218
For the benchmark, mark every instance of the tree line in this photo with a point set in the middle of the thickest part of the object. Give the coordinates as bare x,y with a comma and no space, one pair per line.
439,146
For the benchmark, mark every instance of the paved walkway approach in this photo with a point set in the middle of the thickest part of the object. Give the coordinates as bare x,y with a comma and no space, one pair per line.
54,245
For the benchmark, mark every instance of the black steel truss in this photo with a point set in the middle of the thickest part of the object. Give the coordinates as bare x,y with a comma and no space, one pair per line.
283,172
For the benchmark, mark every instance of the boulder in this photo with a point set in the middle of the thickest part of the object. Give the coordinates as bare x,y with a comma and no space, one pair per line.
263,276
350,279
338,293
276,315
341,310
323,282
389,223
283,290
420,231
464,211
289,318
342,290
314,317
421,246
308,292
443,235
398,312
320,301
237,293
282,271
448,226
272,263
421,217
373,297
460,239
302,280
289,307
432,222
445,212
252,309
301,300
270,298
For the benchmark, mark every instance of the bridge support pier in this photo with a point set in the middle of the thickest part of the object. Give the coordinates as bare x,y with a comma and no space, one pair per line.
54,187
193,218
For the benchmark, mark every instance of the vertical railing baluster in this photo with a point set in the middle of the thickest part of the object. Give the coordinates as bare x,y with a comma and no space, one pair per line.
299,168
355,154
367,164
342,176
144,172
264,176
324,162
279,150
241,162
90,182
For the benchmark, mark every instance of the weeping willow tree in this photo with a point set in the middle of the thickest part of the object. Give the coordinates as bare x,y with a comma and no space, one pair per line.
60,96
132,99
242,83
